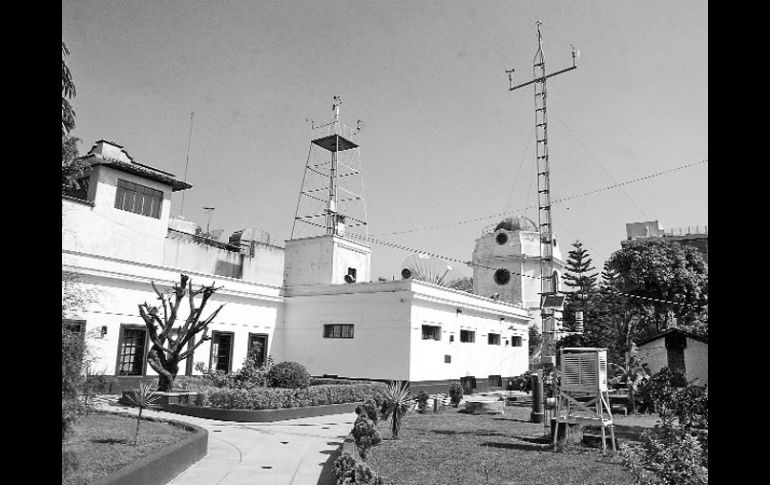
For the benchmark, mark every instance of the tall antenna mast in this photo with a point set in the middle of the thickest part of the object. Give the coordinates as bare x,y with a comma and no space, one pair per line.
187,163
548,283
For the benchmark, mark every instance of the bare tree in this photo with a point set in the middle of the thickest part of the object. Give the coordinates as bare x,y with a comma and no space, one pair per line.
171,345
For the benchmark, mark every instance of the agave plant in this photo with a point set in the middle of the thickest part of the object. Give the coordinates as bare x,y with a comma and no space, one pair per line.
142,398
395,404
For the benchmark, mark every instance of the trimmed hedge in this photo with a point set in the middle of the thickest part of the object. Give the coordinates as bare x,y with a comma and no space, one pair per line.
278,398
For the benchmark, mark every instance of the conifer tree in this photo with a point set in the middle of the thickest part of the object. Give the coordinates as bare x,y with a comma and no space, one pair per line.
580,278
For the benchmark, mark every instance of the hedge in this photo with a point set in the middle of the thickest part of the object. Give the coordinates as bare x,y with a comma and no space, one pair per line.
278,398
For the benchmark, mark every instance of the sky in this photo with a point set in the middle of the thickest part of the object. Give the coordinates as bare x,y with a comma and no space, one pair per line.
444,140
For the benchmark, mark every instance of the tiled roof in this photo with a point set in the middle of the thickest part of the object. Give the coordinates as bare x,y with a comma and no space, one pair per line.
138,169
670,331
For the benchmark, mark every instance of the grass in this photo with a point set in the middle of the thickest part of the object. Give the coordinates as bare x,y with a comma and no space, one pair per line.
103,443
456,448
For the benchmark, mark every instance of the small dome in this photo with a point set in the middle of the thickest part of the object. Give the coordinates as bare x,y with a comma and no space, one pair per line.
517,224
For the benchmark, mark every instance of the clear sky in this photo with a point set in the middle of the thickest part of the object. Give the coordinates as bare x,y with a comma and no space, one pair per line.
444,139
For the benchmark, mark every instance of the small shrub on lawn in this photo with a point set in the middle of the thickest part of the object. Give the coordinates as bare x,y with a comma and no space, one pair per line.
290,375
422,401
365,435
456,394
522,382
71,410
369,409
348,472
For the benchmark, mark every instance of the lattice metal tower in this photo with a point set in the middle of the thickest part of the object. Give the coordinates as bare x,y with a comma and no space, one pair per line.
331,199
549,284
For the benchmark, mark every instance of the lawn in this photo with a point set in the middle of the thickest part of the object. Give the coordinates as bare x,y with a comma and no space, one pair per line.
456,448
103,443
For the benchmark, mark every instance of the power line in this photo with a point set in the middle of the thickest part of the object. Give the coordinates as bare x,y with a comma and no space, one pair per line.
563,199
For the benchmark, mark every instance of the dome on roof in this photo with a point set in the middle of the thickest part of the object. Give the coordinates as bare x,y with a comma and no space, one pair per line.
517,224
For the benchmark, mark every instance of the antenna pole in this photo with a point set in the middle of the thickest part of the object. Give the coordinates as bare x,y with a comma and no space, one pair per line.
187,163
545,223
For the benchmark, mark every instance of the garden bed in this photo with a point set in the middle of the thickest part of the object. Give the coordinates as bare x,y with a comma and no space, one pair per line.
260,415
102,447
453,447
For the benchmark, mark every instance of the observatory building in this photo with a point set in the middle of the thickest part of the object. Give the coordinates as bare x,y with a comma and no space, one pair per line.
312,302
506,263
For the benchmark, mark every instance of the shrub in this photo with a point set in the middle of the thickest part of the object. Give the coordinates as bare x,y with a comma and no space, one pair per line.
344,467
456,394
252,373
422,401
676,451
522,382
71,410
369,409
277,398
289,375
365,435
348,472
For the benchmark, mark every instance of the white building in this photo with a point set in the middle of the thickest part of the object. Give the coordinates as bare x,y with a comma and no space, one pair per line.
294,304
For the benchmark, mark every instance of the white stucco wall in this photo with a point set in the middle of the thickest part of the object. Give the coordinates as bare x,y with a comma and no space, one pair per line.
119,286
654,354
696,360
324,260
380,347
103,229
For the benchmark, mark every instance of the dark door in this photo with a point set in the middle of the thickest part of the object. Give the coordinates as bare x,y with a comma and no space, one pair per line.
131,356
221,351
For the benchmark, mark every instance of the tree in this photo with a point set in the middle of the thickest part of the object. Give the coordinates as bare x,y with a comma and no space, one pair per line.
621,313
71,167
671,279
67,93
169,344
581,280
463,284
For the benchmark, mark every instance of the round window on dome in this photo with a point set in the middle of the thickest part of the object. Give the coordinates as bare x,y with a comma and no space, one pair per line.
501,238
502,276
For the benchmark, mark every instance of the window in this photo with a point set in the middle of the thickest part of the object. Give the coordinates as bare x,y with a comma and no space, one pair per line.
501,238
338,330
131,348
431,332
468,336
139,199
502,276
447,359
221,351
258,345
516,341
493,339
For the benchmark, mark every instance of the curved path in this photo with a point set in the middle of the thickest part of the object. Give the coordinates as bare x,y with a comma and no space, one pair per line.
291,452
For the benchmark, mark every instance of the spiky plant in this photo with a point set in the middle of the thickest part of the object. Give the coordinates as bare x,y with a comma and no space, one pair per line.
395,404
142,398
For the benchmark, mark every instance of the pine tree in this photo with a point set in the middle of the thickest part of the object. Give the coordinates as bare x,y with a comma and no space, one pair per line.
579,276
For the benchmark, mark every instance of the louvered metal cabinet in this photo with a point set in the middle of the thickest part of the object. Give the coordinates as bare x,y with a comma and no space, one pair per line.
584,370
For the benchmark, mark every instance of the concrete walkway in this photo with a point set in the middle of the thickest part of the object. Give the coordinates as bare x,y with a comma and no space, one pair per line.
291,452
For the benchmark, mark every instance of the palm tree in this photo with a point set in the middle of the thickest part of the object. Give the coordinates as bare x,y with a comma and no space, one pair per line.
67,93
142,398
395,404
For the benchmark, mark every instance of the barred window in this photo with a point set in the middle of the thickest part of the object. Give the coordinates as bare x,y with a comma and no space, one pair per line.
516,341
138,199
468,336
493,339
431,332
338,330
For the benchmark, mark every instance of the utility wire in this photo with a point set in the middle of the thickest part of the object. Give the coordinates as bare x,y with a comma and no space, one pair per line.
563,199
